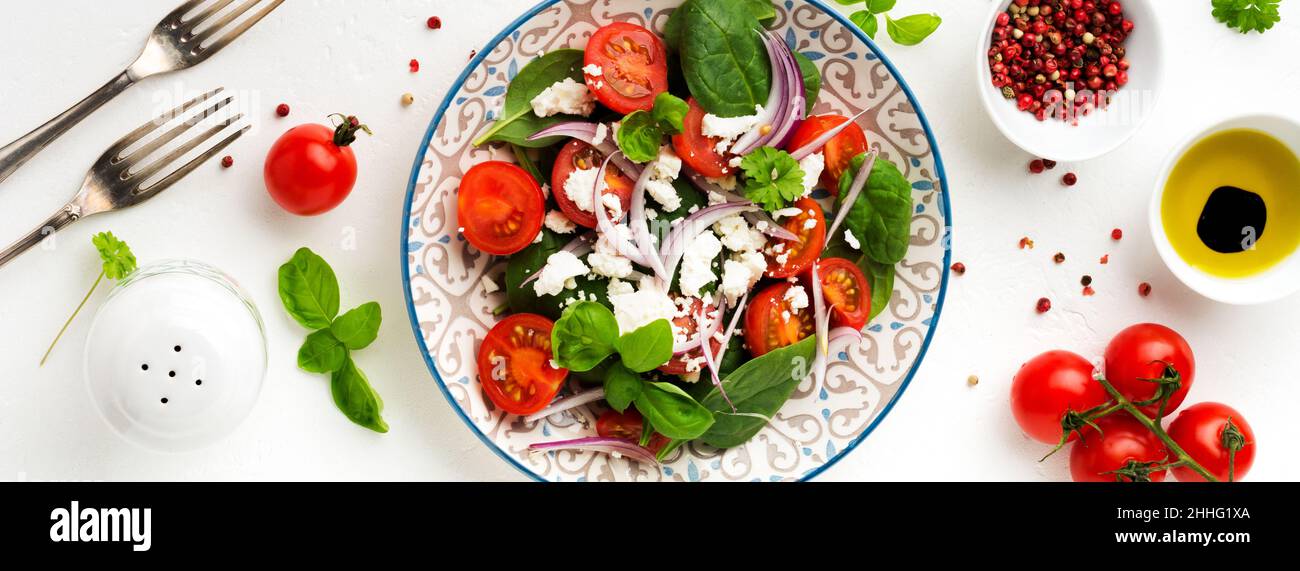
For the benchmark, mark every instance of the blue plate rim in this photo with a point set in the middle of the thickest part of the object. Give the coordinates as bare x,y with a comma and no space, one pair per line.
940,173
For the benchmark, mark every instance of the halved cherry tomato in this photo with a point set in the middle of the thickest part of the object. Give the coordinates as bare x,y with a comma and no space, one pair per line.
1142,352
846,291
1199,429
697,151
577,155
788,258
628,426
688,324
1047,387
514,364
1122,443
841,149
633,64
771,323
500,207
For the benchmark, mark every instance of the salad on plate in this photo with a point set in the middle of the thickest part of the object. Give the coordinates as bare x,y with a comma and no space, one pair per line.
682,237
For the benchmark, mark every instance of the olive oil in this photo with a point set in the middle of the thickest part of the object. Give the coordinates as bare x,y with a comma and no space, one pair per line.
1231,206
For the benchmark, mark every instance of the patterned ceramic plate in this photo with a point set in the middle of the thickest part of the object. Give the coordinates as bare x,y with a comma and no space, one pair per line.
451,311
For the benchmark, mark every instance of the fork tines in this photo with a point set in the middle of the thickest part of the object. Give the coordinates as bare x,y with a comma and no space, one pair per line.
189,31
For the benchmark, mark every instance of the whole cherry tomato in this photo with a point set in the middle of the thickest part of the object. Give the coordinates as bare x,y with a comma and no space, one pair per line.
1123,451
1149,351
1047,387
311,168
1202,431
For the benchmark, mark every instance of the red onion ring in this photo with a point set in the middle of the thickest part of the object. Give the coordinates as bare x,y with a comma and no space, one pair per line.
599,444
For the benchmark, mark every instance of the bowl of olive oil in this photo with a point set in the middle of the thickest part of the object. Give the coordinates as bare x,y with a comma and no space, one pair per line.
1225,214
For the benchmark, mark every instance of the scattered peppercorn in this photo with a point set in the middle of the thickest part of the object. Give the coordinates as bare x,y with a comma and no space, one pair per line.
972,380
1144,289
959,268
1050,164
473,53
282,109
1070,179
227,161
1087,291
1036,166
1105,259
407,99
1059,258
1086,281
1116,234
1044,305
434,23
415,65
1026,243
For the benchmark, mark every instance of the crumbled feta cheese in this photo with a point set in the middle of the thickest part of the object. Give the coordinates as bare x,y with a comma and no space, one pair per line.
779,214
593,70
538,238
852,240
737,236
697,264
651,214
727,183
615,206
649,303
809,224
559,273
663,193
690,377
735,162
741,273
566,96
716,198
609,266
797,297
619,287
812,166
581,188
489,286
728,129
663,171
559,223
601,133
668,166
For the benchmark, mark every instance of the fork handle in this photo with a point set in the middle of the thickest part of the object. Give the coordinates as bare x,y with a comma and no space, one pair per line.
18,152
60,220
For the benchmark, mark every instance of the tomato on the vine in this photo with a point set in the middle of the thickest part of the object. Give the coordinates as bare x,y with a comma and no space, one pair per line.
1049,386
1202,431
514,364
1145,351
1122,450
311,168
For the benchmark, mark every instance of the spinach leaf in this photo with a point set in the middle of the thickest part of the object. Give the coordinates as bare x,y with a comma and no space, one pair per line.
359,327
672,412
527,163
517,121
880,277
584,336
354,396
723,58
622,387
309,289
812,80
881,217
763,11
912,30
645,349
322,353
758,389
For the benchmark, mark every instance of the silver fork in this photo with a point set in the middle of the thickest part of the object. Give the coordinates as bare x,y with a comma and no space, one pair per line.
118,179
175,44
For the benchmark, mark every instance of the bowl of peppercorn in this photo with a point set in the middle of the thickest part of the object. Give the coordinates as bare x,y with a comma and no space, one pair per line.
1070,80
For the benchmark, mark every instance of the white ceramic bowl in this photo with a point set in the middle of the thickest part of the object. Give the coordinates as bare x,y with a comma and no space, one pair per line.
1102,131
1275,283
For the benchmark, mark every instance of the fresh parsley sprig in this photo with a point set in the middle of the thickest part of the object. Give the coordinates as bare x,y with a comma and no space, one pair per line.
118,262
906,31
1247,15
773,178
309,291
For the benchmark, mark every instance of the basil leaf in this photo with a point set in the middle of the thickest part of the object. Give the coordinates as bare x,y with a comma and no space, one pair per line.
670,112
881,217
672,412
309,290
584,336
911,30
758,389
354,396
723,59
517,121
868,21
639,136
880,6
622,387
648,347
321,352
812,80
359,327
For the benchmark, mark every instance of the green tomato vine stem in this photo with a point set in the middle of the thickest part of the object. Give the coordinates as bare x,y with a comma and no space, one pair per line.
1183,457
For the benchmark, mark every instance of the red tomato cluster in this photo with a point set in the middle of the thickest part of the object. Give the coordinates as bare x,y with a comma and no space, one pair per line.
1055,399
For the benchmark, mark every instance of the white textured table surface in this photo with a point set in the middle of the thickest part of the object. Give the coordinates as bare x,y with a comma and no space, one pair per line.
335,56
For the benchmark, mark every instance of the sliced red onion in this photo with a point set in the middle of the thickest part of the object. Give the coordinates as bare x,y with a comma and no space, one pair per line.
859,183
586,132
600,444
731,328
822,317
625,249
641,231
802,152
774,111
770,226
565,403
684,234
845,332
700,333
771,229
579,247
700,181
708,359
